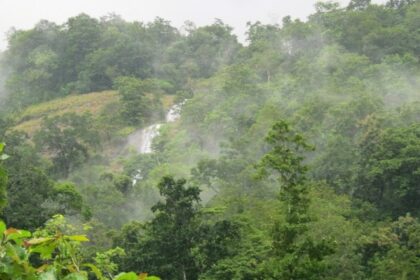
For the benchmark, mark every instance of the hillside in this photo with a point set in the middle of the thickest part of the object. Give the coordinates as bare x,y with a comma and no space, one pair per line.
295,156
94,103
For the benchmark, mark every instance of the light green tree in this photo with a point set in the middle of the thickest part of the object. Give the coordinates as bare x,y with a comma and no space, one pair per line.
294,255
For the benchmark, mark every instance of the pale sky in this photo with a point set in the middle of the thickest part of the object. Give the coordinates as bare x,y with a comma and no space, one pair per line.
24,14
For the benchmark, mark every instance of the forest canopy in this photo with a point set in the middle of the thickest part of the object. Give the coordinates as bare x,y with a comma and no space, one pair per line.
295,155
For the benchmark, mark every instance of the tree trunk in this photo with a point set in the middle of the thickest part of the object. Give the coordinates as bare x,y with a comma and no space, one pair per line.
184,275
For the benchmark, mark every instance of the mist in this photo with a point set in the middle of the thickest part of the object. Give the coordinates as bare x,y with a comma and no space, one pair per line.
194,152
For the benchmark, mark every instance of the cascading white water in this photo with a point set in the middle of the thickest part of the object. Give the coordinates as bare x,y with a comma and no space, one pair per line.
142,139
137,177
174,112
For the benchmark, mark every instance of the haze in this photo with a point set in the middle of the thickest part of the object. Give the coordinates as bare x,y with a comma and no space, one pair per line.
24,14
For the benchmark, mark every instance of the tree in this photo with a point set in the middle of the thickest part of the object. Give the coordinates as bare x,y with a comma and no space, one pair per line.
67,139
81,37
399,4
27,186
137,108
295,256
32,63
389,169
358,4
179,242
392,251
173,231
27,189
3,179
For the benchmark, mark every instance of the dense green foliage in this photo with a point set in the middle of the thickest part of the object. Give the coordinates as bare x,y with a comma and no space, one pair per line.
3,179
300,151
177,243
137,108
67,139
86,54
59,253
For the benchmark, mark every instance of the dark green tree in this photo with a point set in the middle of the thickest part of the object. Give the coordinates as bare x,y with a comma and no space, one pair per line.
391,251
174,229
180,242
67,139
81,37
28,187
389,169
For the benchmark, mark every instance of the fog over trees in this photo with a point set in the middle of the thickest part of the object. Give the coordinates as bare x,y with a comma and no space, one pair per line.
293,156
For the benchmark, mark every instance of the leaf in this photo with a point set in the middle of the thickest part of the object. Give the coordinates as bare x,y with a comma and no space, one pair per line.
2,229
4,157
17,235
44,249
2,146
36,241
126,276
10,231
71,268
24,233
95,270
80,238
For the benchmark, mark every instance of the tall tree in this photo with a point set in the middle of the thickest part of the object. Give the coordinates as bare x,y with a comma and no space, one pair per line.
174,228
294,255
179,242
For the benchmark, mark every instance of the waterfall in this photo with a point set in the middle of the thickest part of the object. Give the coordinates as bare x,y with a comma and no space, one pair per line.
137,177
142,139
174,112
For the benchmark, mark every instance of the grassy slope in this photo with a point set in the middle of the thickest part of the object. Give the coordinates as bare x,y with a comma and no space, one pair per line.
94,103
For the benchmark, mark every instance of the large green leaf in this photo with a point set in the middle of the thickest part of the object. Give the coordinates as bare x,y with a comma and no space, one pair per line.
95,270
37,241
75,276
17,235
126,276
2,228
44,249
